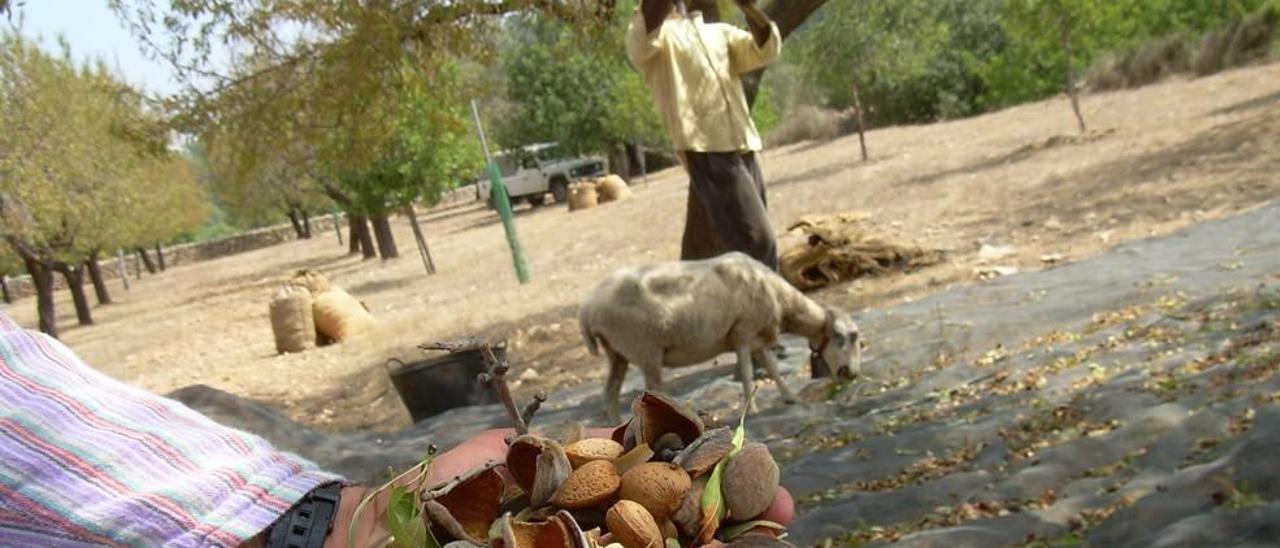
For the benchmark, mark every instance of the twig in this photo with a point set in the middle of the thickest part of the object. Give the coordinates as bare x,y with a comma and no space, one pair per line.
534,405
494,376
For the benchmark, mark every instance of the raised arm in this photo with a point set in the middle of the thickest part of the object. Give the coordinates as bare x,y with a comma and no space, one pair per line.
750,51
644,35
655,12
756,20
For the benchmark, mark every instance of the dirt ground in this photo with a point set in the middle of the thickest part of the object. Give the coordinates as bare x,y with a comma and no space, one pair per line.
1155,160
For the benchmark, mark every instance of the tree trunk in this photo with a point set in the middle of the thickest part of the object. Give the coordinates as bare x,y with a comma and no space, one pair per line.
306,225
1071,81
386,240
122,269
296,222
353,236
635,156
42,278
146,260
4,288
361,238
337,229
620,162
95,276
75,282
862,137
427,262
160,257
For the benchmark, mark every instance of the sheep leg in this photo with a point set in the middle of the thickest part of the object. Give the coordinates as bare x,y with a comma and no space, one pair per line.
613,386
748,380
771,366
652,376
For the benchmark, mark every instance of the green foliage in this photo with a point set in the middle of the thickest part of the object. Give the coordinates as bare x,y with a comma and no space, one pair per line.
1032,66
922,60
85,160
577,90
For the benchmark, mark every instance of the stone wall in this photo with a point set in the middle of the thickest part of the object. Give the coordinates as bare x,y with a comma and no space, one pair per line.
321,226
175,255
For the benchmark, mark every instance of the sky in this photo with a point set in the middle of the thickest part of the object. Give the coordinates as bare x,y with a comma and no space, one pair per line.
93,30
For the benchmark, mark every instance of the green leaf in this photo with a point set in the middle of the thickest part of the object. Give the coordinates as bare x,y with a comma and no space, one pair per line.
403,519
734,531
712,496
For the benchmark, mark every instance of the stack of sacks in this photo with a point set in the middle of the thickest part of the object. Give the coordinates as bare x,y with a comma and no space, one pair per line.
308,308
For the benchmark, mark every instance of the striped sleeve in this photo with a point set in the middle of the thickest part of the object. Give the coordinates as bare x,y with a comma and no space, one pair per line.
88,460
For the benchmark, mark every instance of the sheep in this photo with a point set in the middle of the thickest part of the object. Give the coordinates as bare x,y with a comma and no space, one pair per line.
677,314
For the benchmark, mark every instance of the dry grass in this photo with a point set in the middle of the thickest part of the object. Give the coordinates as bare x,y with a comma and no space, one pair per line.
1162,157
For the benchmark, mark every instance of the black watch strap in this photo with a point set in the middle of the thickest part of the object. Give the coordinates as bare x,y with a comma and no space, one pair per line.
309,521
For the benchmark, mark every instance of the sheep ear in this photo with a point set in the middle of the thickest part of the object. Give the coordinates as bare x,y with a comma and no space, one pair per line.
831,323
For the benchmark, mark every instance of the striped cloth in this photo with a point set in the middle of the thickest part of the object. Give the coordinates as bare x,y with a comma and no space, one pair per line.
88,460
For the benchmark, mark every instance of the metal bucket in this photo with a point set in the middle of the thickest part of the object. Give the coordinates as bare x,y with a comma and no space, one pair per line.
435,385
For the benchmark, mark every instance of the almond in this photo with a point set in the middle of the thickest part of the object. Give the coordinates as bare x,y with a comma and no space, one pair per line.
591,449
658,486
750,482
589,485
632,526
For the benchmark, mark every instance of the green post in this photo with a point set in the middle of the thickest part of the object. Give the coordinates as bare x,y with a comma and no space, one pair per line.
501,202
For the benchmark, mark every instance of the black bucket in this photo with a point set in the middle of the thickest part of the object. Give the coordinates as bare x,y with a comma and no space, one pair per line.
432,386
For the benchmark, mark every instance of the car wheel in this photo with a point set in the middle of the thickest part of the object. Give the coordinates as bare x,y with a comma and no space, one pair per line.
560,190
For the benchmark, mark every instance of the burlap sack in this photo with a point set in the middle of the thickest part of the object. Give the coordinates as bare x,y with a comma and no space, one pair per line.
339,316
612,188
312,280
836,249
582,195
292,319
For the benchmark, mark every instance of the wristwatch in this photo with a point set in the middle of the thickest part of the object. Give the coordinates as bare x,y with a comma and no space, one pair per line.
309,521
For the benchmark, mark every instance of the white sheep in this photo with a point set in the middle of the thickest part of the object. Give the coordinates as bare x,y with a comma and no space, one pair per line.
678,314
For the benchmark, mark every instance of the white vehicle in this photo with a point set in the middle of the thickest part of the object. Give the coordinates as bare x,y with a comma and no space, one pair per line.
530,172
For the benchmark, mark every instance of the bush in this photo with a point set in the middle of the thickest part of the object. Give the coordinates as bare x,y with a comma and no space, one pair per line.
1240,42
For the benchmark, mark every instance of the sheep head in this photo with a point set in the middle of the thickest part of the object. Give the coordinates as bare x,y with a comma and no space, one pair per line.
839,350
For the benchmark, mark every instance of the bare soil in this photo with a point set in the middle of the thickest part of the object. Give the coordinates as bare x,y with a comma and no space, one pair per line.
1156,160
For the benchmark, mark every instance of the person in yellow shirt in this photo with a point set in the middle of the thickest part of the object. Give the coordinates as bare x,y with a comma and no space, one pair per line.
694,71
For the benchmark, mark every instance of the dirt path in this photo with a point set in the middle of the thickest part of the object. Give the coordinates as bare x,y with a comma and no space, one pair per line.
1161,158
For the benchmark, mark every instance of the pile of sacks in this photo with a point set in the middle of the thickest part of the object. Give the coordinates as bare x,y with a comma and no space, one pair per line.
589,193
307,311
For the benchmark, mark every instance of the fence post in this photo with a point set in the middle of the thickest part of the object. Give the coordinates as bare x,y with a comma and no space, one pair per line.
498,193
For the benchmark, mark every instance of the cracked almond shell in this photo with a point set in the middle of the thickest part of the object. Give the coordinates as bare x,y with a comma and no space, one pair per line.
524,534
656,414
539,466
466,508
700,457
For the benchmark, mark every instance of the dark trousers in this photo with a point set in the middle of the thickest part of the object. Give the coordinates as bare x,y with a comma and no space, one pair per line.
726,210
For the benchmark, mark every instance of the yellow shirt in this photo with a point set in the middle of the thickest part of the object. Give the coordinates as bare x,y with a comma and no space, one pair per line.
697,89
